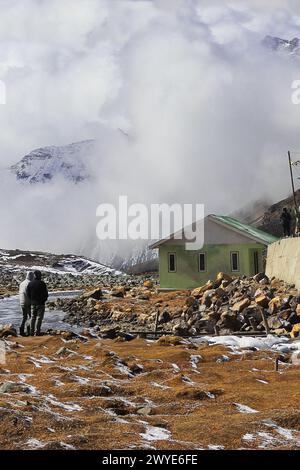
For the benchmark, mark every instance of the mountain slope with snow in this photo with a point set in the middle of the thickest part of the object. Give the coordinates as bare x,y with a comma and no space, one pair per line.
17,260
44,164
283,46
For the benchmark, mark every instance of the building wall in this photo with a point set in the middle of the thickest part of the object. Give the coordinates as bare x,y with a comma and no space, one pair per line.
217,259
283,261
214,234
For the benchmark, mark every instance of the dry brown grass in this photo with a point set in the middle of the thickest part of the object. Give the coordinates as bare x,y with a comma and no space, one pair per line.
103,378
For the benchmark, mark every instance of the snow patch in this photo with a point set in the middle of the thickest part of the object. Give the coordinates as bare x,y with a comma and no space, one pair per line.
270,342
244,408
34,362
123,369
35,443
162,387
43,360
81,380
66,406
275,437
215,447
153,433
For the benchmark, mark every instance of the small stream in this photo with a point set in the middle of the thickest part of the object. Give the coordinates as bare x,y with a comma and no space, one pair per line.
10,312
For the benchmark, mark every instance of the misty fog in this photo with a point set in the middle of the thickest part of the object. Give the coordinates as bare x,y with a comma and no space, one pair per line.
185,103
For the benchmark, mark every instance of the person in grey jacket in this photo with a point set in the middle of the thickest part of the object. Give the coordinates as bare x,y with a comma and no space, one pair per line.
38,294
25,303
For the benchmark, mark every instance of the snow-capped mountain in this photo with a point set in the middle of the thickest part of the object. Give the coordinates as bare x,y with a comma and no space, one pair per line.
283,46
44,164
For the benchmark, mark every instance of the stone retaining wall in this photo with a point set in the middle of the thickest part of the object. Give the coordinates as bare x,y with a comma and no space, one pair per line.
283,261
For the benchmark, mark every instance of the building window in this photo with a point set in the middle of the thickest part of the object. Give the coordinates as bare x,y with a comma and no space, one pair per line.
172,262
235,262
202,262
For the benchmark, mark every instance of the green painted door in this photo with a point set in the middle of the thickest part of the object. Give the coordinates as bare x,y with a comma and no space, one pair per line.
255,261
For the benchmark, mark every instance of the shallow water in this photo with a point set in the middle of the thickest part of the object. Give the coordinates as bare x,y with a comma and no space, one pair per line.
10,312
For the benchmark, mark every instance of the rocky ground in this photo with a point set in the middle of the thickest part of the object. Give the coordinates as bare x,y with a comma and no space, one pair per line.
59,392
9,282
225,305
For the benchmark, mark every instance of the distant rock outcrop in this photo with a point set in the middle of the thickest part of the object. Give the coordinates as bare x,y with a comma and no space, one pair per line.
285,46
270,220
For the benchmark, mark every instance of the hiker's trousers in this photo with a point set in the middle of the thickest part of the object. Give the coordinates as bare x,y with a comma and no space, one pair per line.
37,317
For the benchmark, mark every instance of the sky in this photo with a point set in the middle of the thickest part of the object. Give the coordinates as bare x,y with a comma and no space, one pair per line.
206,108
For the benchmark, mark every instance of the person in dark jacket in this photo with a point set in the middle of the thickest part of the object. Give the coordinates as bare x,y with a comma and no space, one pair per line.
37,292
286,220
25,304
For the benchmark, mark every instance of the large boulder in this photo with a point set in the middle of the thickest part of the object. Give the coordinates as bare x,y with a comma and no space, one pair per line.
180,329
286,314
229,320
109,333
118,291
214,315
190,301
241,305
295,331
294,301
258,277
252,311
7,330
294,318
220,293
164,317
207,297
148,284
274,322
262,300
265,281
275,305
224,277
200,290
95,294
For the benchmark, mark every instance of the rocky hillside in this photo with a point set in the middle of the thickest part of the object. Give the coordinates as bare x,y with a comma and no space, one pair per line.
16,260
268,218
59,271
283,46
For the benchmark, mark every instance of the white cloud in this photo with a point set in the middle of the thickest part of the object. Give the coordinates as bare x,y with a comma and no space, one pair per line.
208,110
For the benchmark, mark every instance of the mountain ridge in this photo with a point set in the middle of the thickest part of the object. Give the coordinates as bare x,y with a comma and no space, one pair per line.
44,164
283,46
17,260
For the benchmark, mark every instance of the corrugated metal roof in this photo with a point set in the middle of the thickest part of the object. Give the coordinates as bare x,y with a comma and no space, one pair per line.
264,237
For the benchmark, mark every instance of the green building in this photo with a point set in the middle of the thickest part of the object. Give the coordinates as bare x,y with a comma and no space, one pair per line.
229,246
